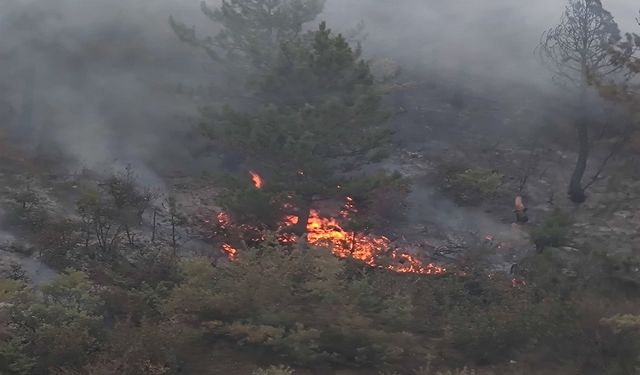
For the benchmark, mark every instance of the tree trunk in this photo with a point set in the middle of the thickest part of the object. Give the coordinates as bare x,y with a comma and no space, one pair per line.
153,233
300,229
174,242
576,190
130,235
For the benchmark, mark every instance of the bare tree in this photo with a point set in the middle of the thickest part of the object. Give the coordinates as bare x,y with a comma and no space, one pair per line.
175,219
576,50
129,201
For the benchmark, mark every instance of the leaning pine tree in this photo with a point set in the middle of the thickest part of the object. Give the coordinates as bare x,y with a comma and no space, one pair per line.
577,50
319,122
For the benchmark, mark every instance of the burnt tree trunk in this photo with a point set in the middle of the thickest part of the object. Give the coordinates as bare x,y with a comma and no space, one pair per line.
174,241
300,228
576,190
153,233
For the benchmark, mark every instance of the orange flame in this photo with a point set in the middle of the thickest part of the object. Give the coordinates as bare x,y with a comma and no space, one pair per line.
257,180
224,221
375,251
231,251
327,232
369,249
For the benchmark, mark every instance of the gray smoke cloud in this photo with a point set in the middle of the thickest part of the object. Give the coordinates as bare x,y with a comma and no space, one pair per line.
97,79
490,39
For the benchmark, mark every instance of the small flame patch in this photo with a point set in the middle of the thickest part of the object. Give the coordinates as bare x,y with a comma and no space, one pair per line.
257,180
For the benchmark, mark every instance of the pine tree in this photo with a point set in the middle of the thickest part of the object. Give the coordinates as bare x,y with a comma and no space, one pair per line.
251,30
578,48
320,122
623,90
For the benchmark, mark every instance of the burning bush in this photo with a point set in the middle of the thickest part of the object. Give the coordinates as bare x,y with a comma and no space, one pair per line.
319,231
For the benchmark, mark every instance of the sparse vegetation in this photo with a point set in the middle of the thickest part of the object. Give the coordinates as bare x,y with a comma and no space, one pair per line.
27,208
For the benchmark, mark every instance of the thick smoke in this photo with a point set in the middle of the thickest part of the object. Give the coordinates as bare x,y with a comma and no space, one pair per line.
481,39
97,80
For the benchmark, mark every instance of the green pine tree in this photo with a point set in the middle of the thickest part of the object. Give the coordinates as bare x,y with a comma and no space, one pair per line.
319,122
251,30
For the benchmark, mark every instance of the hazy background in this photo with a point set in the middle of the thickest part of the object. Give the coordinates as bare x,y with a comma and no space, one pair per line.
99,80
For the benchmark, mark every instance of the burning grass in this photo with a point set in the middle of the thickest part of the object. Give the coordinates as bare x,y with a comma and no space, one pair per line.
328,232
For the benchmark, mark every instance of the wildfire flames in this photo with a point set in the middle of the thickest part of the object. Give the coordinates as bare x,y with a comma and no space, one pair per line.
373,250
231,252
257,180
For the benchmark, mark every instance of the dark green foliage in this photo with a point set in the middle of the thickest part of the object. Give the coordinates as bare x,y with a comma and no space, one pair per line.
553,232
255,207
321,121
469,186
251,30
27,208
58,243
380,201
327,317
112,210
305,307
61,327
128,197
149,348
129,201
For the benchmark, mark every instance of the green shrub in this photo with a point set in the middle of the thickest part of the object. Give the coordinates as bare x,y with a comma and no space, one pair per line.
328,318
59,326
26,208
470,185
553,232
57,242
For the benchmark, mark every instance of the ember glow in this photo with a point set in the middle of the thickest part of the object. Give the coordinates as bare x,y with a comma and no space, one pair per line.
376,251
517,283
257,180
231,251
370,249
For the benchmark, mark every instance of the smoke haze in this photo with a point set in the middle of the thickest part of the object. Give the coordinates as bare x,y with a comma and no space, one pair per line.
97,79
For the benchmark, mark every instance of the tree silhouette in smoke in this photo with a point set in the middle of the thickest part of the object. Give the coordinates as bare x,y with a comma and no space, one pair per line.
251,30
576,50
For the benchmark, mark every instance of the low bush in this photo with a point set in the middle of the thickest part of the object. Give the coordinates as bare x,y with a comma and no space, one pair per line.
553,232
469,186
297,303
